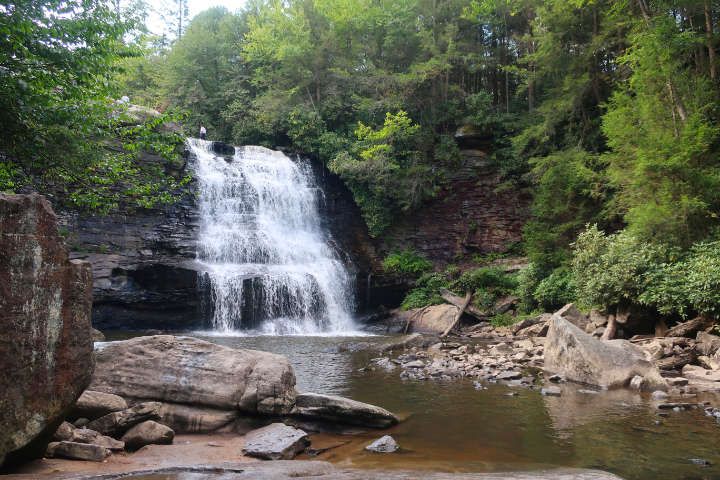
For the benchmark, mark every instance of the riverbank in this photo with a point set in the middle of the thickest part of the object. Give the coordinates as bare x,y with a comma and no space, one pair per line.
448,424
281,470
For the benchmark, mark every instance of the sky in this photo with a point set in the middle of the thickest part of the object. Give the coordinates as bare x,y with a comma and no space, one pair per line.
155,23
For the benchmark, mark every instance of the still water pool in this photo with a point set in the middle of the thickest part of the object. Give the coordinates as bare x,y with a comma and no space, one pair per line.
451,426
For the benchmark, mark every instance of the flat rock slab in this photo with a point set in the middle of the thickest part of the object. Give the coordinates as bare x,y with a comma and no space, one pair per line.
276,441
343,410
194,372
92,405
316,470
78,451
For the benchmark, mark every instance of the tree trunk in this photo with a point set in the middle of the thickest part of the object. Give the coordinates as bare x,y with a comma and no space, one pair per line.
458,301
676,100
461,310
709,37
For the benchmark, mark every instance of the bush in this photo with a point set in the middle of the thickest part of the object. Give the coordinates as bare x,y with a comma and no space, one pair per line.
613,270
407,262
490,278
702,274
620,270
426,291
503,320
556,290
528,280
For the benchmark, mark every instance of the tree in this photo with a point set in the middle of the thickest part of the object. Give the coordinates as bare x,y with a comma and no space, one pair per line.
61,129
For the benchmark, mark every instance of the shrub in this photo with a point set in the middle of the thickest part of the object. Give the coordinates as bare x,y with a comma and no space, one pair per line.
620,270
702,272
612,270
426,291
407,262
490,278
528,280
556,290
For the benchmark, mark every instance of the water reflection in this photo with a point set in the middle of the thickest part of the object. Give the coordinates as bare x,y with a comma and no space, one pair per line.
454,427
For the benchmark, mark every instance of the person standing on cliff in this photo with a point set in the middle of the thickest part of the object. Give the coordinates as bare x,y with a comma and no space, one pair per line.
203,132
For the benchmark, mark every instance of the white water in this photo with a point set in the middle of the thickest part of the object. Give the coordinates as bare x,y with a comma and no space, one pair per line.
264,254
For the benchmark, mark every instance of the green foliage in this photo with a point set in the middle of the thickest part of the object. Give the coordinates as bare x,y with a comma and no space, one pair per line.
426,291
612,270
486,278
555,290
621,270
662,126
503,320
570,192
385,171
61,132
407,262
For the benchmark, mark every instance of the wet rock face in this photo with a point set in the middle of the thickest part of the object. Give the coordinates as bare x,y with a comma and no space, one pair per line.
46,351
143,263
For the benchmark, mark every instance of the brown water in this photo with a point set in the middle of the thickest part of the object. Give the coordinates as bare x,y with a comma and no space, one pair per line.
454,427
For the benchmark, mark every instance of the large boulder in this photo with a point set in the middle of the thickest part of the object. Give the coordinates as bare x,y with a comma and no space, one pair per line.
432,319
46,351
194,372
342,410
582,358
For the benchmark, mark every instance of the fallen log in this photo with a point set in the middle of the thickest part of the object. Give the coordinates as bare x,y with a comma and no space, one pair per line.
689,328
458,301
675,362
461,309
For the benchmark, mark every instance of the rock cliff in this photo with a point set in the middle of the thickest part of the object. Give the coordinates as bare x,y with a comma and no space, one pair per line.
46,351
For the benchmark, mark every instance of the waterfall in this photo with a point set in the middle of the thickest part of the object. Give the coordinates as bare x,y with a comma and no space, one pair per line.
266,262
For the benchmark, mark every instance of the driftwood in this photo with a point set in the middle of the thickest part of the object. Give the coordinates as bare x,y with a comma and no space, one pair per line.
675,362
689,328
461,309
458,301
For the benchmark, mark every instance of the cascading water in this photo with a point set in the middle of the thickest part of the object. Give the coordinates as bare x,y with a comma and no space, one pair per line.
267,264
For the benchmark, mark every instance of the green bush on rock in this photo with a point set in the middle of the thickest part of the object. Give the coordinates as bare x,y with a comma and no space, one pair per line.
407,262
619,270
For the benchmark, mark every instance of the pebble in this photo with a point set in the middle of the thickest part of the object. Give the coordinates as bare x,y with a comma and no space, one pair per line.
551,391
509,375
414,364
588,392
384,444
658,395
700,461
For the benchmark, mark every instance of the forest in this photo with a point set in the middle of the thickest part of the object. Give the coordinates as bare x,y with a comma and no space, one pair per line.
605,111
